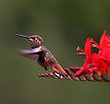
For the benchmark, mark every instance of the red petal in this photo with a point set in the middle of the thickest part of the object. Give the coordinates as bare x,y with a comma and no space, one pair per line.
103,39
88,46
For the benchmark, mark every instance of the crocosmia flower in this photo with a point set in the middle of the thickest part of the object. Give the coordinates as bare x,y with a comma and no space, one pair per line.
104,50
93,63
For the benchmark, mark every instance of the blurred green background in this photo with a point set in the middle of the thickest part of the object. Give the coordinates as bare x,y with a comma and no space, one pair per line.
63,24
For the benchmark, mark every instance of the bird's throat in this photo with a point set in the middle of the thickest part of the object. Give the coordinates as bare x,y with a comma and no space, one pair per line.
38,49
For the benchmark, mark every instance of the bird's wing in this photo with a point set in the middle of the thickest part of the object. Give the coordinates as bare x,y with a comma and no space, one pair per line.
29,54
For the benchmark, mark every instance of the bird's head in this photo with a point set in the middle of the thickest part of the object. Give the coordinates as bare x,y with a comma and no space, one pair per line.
34,40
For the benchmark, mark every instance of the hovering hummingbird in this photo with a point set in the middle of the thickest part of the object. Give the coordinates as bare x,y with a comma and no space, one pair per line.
42,55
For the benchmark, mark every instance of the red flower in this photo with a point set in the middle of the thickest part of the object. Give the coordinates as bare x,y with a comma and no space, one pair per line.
93,63
104,50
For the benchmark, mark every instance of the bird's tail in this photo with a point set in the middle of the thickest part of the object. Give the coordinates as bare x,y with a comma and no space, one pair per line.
59,71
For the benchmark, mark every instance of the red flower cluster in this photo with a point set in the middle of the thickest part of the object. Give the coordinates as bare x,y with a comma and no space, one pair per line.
95,63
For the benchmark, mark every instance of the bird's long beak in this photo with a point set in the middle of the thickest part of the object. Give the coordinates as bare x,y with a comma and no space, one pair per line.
20,35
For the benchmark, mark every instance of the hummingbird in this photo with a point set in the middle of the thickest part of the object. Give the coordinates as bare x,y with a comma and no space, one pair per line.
42,55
